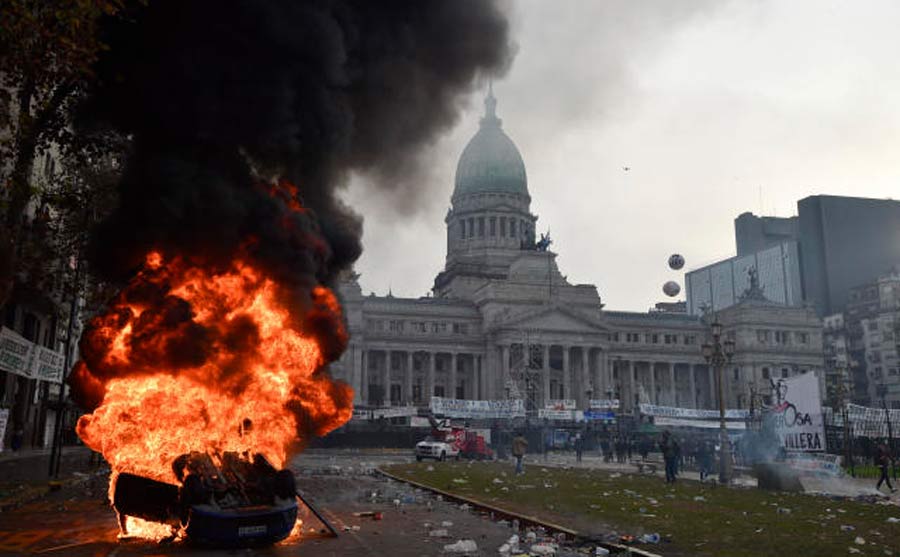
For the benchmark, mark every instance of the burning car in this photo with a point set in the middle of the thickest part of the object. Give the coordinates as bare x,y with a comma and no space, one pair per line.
178,370
228,500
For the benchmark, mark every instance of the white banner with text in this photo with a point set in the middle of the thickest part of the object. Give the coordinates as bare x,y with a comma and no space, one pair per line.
799,421
20,356
487,409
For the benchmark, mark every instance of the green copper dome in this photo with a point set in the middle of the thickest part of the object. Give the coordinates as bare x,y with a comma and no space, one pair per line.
490,162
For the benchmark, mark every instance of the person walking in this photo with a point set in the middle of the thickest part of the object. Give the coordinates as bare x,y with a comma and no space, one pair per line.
519,447
668,447
883,459
579,447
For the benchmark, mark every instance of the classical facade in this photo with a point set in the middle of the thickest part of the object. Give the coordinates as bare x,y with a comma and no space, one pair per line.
503,322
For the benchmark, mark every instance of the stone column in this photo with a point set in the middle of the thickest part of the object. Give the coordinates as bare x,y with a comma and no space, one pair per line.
482,378
693,384
429,379
652,366
673,383
567,380
409,378
602,377
586,376
386,374
364,376
632,388
356,375
504,366
453,365
546,375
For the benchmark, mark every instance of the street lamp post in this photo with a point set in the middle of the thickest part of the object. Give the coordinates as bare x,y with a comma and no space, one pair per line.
881,391
841,392
718,353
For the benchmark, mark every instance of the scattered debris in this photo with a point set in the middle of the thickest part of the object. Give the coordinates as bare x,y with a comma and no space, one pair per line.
650,538
784,510
859,540
462,546
847,528
699,498
441,533
543,549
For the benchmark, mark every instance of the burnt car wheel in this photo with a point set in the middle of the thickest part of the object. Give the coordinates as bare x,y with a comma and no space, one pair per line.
193,492
285,486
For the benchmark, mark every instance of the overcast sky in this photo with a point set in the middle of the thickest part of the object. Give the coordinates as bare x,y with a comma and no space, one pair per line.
717,107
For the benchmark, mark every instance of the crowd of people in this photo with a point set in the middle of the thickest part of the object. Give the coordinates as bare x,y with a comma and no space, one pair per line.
699,452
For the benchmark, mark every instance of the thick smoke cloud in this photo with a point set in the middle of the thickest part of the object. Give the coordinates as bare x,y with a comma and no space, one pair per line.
221,96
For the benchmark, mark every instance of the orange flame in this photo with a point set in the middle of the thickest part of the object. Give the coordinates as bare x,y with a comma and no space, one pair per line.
191,359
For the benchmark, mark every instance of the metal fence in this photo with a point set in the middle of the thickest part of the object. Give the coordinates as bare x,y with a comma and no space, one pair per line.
856,431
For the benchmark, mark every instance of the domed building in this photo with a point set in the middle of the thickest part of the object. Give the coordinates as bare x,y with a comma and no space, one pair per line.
504,324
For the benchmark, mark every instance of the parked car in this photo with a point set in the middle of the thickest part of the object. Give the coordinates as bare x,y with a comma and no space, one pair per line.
438,449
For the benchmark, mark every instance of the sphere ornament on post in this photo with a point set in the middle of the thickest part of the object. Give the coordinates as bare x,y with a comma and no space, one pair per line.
718,353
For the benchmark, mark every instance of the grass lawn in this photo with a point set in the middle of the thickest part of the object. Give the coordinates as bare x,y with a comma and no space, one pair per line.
693,518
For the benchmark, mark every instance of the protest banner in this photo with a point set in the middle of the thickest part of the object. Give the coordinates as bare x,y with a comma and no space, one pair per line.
818,464
417,421
20,356
599,415
797,413
691,413
562,404
487,409
394,412
604,404
48,365
16,353
562,415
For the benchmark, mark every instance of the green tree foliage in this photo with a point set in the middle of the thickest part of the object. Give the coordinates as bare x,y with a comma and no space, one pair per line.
47,52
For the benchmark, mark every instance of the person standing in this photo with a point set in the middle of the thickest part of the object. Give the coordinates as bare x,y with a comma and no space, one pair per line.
704,459
579,447
883,459
667,446
519,447
679,458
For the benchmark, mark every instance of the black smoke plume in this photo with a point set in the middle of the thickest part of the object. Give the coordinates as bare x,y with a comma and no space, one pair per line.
221,95
238,109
